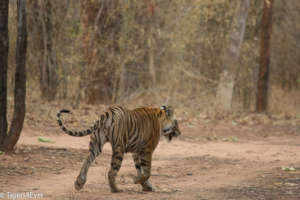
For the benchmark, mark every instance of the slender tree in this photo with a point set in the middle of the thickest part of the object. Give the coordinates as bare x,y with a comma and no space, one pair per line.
265,52
49,76
231,56
151,64
3,67
101,24
13,135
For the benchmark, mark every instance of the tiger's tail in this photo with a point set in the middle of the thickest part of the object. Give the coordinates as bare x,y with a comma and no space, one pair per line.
74,133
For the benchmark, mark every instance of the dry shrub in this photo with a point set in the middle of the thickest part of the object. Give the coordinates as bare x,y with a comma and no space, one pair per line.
284,101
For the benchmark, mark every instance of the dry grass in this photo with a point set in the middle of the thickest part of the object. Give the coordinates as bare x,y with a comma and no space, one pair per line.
191,99
284,102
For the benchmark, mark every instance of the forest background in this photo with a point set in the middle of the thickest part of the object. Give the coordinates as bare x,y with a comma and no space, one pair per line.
91,54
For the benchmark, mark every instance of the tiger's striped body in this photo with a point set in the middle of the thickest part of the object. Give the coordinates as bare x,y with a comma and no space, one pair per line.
136,131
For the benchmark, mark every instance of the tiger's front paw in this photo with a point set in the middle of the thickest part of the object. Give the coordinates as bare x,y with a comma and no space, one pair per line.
148,187
79,183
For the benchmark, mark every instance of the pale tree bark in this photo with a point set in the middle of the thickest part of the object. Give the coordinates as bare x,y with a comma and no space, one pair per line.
151,58
20,82
231,57
151,64
265,52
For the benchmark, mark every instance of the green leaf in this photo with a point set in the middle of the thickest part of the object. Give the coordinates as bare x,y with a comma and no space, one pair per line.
1,153
288,169
41,139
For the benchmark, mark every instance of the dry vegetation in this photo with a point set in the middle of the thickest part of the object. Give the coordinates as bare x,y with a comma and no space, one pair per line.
104,57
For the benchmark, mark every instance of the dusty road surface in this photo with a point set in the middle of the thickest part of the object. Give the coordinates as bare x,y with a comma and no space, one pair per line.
211,161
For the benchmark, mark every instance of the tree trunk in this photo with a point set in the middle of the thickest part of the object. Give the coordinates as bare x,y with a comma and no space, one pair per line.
4,44
151,58
231,58
101,21
35,27
88,18
20,81
49,77
90,15
264,63
151,11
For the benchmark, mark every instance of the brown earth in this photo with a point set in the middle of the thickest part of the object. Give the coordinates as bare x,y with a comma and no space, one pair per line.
210,161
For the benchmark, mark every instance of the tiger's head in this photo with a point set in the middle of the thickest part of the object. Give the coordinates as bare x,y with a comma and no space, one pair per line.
170,127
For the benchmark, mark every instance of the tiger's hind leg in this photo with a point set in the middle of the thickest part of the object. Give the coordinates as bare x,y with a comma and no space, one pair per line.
147,186
95,149
81,178
116,162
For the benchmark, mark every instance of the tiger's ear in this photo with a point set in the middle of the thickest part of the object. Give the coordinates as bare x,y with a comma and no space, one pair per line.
169,110
163,108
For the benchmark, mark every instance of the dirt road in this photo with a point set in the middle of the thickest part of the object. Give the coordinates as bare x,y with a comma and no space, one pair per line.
230,164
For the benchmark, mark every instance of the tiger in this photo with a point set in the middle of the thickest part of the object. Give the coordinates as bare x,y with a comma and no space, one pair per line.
136,131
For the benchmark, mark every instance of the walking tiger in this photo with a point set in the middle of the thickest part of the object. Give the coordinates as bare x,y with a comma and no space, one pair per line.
136,131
